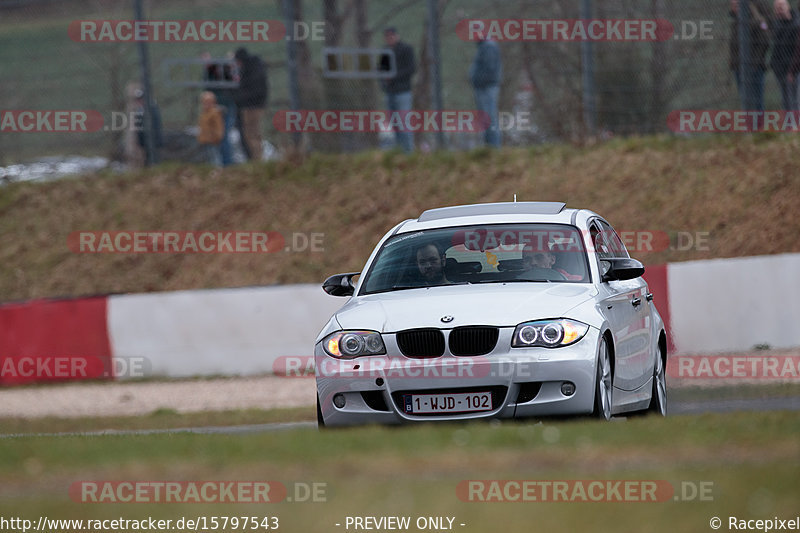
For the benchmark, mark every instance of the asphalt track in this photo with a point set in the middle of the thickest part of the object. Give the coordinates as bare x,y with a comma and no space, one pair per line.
676,408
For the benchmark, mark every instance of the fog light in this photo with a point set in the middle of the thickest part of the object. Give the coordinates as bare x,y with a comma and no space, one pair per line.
567,388
338,400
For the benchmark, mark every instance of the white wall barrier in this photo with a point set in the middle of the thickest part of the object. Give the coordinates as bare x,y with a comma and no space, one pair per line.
220,331
731,305
720,305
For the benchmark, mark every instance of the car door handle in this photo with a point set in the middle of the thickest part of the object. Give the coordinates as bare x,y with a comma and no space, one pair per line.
636,302
649,296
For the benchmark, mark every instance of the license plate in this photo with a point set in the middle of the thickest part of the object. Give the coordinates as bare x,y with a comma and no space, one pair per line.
468,402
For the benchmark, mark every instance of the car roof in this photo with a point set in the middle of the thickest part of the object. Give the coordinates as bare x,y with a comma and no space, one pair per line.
505,208
493,213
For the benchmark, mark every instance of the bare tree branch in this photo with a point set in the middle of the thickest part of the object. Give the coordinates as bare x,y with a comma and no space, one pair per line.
381,22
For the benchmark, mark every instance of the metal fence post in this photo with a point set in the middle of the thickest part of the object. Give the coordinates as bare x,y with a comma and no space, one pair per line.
291,63
149,124
436,60
587,68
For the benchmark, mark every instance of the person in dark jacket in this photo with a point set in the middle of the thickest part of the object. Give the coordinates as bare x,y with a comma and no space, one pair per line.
142,132
398,88
485,73
251,100
759,30
784,38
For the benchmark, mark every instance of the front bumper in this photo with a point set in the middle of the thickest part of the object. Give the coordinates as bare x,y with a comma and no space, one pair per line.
523,382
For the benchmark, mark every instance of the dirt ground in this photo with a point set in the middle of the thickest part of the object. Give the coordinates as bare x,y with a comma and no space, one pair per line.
270,392
121,399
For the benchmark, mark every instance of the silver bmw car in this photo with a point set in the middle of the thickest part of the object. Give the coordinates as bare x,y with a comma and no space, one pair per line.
503,310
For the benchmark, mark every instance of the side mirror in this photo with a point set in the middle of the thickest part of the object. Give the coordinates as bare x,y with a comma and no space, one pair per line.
340,284
621,269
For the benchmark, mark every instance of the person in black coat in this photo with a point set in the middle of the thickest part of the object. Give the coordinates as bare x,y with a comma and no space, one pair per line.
760,18
785,31
251,100
398,88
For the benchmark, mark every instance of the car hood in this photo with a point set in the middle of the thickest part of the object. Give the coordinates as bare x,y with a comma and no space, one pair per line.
495,304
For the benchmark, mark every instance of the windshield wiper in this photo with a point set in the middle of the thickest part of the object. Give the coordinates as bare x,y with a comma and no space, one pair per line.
517,280
403,287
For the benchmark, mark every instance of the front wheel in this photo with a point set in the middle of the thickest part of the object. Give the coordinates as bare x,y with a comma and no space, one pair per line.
603,384
658,399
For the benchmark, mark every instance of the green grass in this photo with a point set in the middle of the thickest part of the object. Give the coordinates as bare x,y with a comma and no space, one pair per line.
158,419
749,461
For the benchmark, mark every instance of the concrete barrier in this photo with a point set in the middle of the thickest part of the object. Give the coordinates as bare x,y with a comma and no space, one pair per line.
730,305
221,331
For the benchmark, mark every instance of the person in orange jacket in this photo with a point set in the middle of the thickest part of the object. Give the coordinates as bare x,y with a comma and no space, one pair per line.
211,128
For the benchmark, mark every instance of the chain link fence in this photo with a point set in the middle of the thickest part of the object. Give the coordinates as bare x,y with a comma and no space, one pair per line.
552,90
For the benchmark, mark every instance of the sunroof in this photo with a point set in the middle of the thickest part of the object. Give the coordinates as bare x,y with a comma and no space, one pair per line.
504,208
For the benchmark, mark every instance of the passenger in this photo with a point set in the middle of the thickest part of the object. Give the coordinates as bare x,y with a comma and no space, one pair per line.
545,260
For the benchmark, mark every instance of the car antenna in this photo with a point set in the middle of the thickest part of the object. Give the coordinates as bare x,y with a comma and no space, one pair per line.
515,198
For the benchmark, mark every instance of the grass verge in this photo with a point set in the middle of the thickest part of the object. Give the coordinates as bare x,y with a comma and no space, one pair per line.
159,419
746,461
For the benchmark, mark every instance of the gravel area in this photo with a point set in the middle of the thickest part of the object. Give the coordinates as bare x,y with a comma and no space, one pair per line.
263,392
120,399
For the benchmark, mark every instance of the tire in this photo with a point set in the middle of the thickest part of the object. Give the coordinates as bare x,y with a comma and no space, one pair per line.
658,399
320,420
603,384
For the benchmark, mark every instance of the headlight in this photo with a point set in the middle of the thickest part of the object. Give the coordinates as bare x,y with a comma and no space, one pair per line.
549,333
349,344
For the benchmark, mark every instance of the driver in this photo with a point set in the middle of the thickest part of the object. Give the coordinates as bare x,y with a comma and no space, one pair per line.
430,262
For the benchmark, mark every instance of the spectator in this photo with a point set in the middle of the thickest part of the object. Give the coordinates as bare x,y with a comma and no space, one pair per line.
759,44
219,72
143,129
485,73
398,88
784,42
211,128
794,65
251,99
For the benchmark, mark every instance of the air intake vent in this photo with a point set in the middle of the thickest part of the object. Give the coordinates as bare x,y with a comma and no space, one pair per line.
473,340
421,343
528,391
374,400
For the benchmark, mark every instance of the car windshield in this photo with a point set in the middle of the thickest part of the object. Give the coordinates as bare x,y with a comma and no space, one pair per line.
533,253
